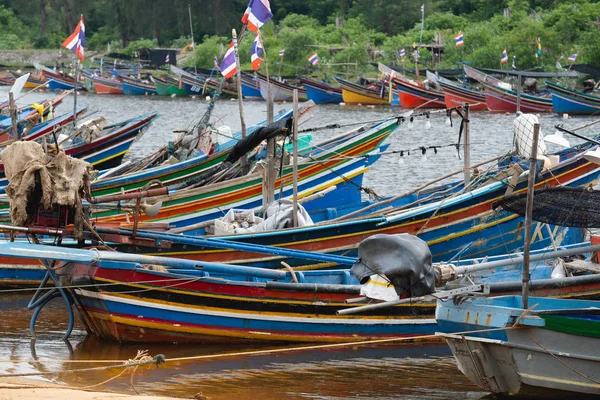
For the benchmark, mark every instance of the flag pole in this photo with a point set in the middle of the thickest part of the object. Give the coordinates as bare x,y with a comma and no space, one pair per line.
422,22
192,33
239,81
75,94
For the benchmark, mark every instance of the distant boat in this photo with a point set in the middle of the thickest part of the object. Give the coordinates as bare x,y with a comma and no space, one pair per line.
570,101
162,87
57,80
413,94
281,91
320,92
250,87
175,85
106,85
138,88
353,93
457,95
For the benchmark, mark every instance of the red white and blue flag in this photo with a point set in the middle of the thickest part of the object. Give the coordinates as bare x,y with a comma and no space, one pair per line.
257,14
76,41
228,68
458,39
314,59
256,53
402,53
281,52
216,63
572,58
422,7
504,58
167,59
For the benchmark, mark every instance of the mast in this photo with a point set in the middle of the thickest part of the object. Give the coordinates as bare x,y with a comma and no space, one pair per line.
239,82
192,33
75,94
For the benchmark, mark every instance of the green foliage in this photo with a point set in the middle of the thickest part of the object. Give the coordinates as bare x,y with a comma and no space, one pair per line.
134,46
103,36
206,51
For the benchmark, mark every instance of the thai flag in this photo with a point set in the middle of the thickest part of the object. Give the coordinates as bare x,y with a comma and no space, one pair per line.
228,68
504,58
216,63
167,59
314,59
402,53
256,53
76,41
257,14
281,52
458,39
422,7
572,58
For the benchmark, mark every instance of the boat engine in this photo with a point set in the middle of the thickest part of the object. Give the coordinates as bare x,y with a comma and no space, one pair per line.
400,261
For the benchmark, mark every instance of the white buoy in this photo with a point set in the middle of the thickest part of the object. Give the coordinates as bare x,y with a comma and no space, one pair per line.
565,116
342,104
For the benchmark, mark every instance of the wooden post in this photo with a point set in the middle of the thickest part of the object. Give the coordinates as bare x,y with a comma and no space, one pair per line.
467,149
271,173
13,115
528,215
239,82
192,34
295,161
519,92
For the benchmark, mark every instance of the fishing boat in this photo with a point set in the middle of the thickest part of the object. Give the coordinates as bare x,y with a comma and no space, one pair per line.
103,149
175,86
280,90
57,80
137,87
162,87
456,95
250,86
411,93
320,92
353,93
7,78
565,100
106,85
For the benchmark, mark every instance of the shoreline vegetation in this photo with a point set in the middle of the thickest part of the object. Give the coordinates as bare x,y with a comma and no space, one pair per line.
348,35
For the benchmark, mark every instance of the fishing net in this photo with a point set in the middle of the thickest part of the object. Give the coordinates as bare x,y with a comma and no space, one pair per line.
564,206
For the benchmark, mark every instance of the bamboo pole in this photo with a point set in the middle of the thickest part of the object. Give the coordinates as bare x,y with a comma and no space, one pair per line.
192,34
239,82
528,215
295,161
75,94
467,149
13,115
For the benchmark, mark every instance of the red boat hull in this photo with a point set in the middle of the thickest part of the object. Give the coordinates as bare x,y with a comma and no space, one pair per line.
408,100
454,100
106,89
501,102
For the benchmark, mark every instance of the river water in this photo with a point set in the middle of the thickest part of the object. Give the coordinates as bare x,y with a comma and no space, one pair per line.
409,371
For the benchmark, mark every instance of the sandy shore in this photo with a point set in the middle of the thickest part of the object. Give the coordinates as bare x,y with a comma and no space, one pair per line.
27,389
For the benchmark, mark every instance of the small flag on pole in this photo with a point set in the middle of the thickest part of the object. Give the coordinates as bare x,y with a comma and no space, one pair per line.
167,59
539,45
504,58
76,41
458,39
256,53
422,7
281,52
314,59
228,68
402,53
216,63
572,58
257,14
514,65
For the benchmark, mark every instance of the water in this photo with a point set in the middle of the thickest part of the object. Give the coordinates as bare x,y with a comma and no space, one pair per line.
415,371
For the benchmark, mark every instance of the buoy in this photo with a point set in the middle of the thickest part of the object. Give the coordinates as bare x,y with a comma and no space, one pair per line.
565,116
173,95
342,104
207,98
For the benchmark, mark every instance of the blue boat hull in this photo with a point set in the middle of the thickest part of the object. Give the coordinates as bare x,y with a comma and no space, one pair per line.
137,91
569,105
251,92
320,96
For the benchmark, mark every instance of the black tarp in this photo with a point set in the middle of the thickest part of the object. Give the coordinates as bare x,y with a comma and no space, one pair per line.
157,57
531,74
586,69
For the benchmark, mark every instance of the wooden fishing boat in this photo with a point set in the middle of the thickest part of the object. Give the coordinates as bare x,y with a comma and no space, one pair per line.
162,87
107,149
133,298
281,91
353,93
320,92
137,87
36,80
175,86
7,78
106,85
505,100
457,95
57,80
547,351
411,93
565,100
250,87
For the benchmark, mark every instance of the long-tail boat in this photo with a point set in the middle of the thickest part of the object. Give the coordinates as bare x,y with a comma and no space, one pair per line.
162,87
175,86
58,81
137,87
281,91
320,92
106,85
457,95
250,86
353,93
565,100
413,94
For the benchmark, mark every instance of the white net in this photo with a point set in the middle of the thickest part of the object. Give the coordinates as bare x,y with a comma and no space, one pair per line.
523,126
